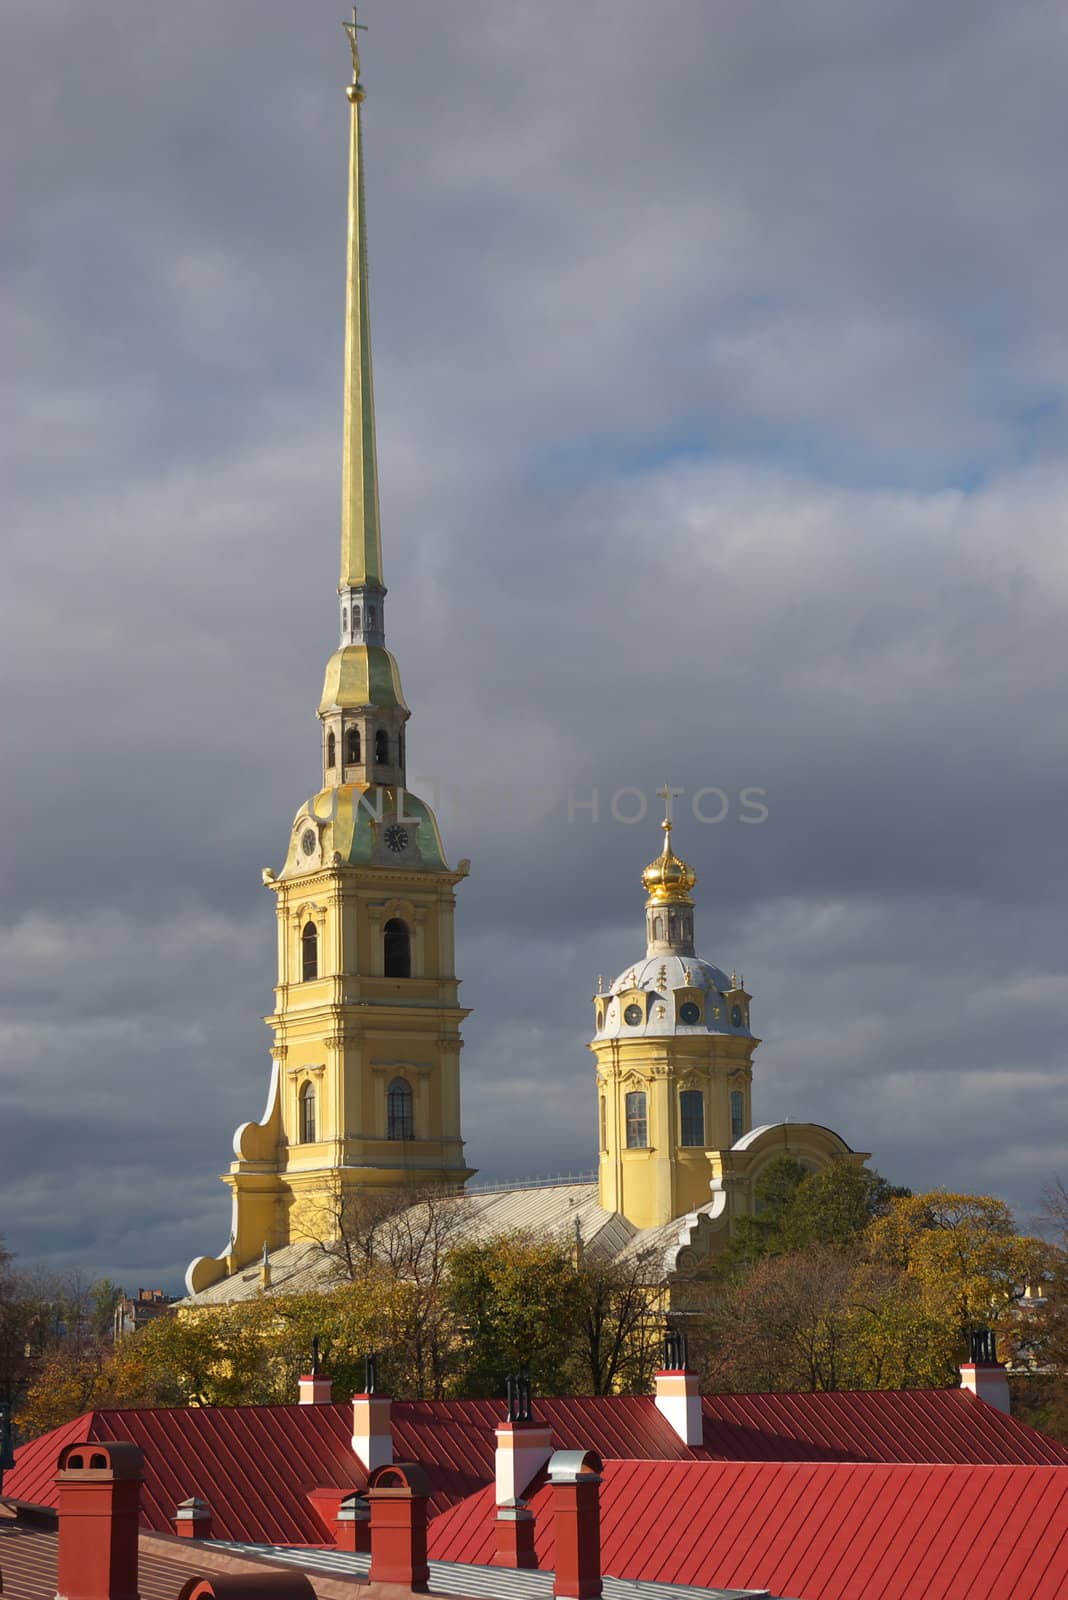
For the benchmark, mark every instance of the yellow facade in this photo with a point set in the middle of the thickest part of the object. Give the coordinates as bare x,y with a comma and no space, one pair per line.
365,1091
674,1049
652,1183
674,1056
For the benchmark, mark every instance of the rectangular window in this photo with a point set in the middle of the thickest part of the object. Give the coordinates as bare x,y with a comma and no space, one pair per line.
737,1115
637,1121
692,1118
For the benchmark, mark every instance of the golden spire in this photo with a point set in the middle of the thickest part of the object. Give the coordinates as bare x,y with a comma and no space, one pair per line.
668,880
361,541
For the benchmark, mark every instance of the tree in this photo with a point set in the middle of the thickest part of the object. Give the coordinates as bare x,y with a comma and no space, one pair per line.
824,1319
103,1297
795,1209
964,1253
1041,1397
518,1303
758,1234
400,1239
620,1331
31,1325
834,1206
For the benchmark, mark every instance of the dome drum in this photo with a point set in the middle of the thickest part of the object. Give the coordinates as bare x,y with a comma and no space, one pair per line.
667,995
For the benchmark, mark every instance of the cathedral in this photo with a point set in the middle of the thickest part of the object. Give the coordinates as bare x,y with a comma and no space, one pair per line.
365,1085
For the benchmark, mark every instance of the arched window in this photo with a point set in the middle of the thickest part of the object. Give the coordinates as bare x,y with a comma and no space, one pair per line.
637,1121
382,747
604,1124
399,1110
307,1114
344,620
737,1115
692,1118
658,930
397,949
309,952
352,746
355,619
331,750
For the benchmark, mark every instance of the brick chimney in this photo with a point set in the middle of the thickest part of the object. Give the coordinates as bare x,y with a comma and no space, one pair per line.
192,1519
398,1495
99,1498
575,1476
523,1445
314,1388
677,1395
514,1531
984,1375
372,1431
352,1524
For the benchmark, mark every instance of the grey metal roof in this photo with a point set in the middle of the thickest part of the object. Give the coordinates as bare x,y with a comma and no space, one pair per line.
545,1210
495,1583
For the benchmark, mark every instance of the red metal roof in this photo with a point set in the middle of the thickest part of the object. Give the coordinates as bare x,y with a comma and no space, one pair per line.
257,1466
875,1425
812,1530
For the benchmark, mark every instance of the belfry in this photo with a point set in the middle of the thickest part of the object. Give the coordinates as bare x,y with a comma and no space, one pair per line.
365,1090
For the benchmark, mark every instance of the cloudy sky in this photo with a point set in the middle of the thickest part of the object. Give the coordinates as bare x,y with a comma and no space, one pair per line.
722,368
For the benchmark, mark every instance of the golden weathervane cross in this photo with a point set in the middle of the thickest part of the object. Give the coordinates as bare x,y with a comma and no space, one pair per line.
352,28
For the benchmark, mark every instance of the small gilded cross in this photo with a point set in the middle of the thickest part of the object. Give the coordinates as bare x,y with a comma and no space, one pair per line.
352,28
667,794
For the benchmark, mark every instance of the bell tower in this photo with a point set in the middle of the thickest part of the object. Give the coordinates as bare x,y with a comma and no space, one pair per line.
365,1089
674,1054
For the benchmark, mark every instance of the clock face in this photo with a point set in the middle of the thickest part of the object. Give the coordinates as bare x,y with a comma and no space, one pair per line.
397,837
689,1013
736,1016
632,1016
308,840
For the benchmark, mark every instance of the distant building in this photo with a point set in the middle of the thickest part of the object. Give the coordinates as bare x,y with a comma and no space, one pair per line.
133,1313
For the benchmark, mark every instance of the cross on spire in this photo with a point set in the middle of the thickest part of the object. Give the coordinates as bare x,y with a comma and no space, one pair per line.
667,794
352,28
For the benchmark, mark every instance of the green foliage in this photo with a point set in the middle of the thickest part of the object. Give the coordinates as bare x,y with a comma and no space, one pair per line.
838,1282
103,1297
759,1235
798,1210
964,1253
519,1304
823,1318
579,1328
834,1206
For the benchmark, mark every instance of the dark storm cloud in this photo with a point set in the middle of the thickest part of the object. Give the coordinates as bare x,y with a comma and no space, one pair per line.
721,368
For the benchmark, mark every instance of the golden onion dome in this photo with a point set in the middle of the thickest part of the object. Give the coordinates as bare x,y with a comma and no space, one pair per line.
667,878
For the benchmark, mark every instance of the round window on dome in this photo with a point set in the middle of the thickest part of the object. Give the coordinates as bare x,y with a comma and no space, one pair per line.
689,1014
633,1015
